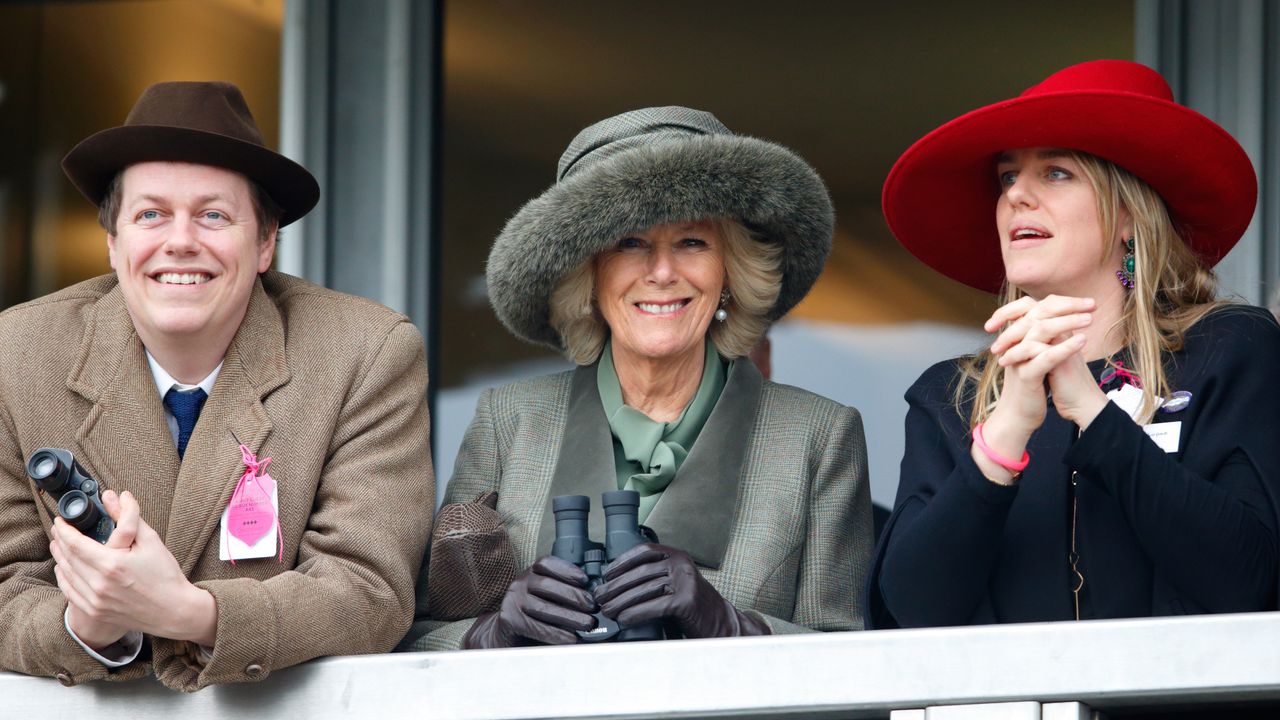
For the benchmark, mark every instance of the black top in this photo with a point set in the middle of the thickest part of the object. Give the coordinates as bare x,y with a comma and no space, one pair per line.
1157,533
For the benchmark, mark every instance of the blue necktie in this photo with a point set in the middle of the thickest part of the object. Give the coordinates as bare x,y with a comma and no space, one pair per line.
185,407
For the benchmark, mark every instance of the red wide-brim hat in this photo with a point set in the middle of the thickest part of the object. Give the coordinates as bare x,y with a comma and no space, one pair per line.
940,196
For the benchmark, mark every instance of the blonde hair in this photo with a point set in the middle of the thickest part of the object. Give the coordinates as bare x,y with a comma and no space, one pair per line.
753,278
1171,291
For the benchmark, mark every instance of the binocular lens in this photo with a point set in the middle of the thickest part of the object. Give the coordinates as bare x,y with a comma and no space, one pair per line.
75,508
48,471
44,466
620,501
571,503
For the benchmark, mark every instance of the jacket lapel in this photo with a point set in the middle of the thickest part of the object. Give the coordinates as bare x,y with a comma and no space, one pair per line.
584,465
124,441
254,366
695,512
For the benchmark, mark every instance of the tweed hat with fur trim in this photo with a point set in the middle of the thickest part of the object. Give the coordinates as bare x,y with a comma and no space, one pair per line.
645,168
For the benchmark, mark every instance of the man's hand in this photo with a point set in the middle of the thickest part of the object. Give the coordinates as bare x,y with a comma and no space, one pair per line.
132,582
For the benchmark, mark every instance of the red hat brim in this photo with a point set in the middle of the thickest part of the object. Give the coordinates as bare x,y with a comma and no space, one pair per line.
940,196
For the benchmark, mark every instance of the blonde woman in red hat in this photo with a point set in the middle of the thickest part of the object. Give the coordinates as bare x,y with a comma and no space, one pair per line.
1113,452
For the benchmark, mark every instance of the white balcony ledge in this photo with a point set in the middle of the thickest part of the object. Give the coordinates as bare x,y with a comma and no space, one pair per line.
1105,665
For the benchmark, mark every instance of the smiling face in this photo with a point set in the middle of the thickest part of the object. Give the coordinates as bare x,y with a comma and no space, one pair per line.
1051,234
187,249
658,289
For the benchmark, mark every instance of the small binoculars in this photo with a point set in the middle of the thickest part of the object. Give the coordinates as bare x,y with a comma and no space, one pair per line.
56,472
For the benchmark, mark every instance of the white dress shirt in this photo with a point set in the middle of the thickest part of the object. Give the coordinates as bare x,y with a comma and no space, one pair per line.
165,381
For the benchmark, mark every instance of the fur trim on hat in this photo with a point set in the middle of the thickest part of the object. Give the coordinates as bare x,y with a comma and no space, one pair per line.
765,186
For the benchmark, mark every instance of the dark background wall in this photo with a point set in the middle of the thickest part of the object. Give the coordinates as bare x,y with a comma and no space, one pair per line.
848,85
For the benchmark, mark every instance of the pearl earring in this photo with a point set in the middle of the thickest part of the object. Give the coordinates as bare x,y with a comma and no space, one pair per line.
723,314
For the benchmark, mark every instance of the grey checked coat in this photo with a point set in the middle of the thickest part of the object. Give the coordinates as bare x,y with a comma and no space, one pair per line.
773,501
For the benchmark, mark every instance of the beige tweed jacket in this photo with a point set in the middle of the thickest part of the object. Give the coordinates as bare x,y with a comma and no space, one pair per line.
331,387
772,502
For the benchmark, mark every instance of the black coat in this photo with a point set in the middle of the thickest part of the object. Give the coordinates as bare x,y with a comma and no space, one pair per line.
1157,533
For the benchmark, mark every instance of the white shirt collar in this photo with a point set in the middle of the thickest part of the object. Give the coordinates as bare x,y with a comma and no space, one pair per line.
164,380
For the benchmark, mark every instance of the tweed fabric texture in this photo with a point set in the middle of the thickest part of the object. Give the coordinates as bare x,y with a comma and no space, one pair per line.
634,129
645,168
800,539
331,387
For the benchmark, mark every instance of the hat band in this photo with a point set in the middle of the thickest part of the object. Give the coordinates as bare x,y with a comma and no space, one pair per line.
609,148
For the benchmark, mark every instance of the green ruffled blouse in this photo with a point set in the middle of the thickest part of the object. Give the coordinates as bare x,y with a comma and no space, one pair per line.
648,453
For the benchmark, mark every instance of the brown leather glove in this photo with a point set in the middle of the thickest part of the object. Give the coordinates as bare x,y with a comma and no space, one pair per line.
544,604
652,581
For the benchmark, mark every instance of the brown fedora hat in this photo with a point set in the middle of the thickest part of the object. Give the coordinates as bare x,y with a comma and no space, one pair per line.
207,123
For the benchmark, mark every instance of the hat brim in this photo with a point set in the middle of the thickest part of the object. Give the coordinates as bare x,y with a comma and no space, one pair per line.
765,186
939,198
93,163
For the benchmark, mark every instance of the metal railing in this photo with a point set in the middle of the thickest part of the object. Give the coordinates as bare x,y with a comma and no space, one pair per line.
1045,670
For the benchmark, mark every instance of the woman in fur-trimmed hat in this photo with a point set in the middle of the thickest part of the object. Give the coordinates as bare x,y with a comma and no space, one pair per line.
1113,452
658,259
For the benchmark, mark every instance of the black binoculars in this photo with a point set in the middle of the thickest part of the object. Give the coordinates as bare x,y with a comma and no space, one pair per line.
622,532
56,472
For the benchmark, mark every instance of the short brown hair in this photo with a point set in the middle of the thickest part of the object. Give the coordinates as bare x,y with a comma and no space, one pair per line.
265,209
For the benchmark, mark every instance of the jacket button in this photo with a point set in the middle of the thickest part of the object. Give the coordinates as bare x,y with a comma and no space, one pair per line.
254,670
65,679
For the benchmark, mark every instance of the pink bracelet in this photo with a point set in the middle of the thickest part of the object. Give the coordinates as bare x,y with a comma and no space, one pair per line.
1013,466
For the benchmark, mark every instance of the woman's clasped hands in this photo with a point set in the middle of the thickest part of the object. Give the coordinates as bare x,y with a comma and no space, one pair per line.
1042,351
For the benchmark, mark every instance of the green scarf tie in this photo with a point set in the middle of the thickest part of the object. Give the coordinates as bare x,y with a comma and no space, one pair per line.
648,453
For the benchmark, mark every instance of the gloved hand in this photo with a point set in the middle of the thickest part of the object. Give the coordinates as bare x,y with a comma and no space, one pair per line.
652,581
544,604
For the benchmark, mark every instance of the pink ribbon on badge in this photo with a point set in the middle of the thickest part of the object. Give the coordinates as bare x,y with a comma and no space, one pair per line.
251,514
1120,371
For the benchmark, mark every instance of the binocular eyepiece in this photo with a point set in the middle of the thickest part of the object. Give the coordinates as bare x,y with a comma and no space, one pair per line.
622,532
56,472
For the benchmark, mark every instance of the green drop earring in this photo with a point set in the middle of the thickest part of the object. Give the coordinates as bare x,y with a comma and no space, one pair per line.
1127,265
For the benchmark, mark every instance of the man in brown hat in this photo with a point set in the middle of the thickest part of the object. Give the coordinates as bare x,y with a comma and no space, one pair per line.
259,443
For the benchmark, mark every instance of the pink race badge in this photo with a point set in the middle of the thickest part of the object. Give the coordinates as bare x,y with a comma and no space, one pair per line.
251,514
